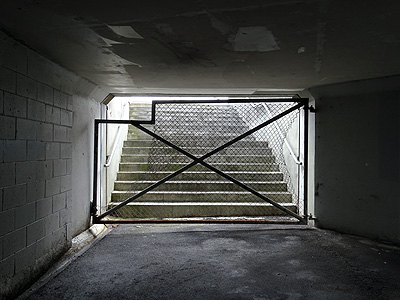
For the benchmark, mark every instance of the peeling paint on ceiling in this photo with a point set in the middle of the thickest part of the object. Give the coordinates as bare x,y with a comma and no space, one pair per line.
207,44
126,31
254,39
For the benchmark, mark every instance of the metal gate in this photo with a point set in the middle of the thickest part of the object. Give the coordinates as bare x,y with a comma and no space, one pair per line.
214,160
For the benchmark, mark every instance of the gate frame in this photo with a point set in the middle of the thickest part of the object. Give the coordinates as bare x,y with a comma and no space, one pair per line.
301,103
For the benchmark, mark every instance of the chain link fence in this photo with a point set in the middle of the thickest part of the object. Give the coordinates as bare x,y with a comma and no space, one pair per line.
257,161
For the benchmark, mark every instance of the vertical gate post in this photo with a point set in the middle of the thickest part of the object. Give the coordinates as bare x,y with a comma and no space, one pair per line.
93,207
306,109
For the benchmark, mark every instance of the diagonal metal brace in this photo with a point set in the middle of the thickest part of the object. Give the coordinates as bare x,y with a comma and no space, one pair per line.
200,160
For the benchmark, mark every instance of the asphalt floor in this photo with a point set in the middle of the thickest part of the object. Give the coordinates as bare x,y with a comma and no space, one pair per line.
227,261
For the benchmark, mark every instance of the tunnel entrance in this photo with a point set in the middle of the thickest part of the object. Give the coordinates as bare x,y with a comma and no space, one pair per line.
236,159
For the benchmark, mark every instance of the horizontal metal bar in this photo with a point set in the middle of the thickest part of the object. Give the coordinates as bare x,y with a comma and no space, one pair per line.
132,122
229,101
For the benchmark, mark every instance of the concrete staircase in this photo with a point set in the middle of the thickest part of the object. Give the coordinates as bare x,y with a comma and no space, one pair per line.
198,192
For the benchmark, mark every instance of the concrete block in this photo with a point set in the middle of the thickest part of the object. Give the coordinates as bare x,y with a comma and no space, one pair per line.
26,129
35,191
35,231
44,208
14,196
25,172
52,151
59,202
14,105
43,246
53,186
36,110
66,118
25,259
1,199
69,166
51,223
66,150
14,150
60,99
59,237
70,103
60,133
45,94
69,135
7,125
7,221
66,183
65,216
1,151
7,174
8,80
44,132
69,199
1,248
7,268
53,114
44,170
25,215
60,167
1,102
69,232
36,150
14,242
26,87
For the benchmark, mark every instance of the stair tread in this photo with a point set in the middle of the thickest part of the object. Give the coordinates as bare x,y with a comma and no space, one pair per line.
202,172
192,181
214,164
201,192
201,203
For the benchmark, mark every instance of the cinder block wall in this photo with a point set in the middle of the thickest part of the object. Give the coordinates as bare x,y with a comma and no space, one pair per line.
36,149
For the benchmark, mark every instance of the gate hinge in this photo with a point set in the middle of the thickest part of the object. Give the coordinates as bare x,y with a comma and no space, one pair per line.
311,217
93,209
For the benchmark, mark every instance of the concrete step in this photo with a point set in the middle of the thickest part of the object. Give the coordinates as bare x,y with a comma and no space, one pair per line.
194,150
189,126
182,210
213,159
257,167
274,186
196,136
139,136
206,196
192,143
198,176
171,115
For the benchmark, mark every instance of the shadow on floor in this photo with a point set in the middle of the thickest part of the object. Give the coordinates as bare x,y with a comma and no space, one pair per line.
210,261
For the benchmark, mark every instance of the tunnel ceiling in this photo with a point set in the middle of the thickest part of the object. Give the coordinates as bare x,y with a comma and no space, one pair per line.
141,46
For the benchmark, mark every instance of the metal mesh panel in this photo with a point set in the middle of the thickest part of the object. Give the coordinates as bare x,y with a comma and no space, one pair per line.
256,161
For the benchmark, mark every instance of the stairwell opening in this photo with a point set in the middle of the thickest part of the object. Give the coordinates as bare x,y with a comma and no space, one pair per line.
230,158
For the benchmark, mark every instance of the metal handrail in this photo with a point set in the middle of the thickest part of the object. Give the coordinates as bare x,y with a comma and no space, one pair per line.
295,158
114,147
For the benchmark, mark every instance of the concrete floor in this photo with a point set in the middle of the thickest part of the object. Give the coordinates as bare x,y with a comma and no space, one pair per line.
210,261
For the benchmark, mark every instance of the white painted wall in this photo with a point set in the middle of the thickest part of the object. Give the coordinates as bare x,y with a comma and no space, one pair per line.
117,109
46,116
357,159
